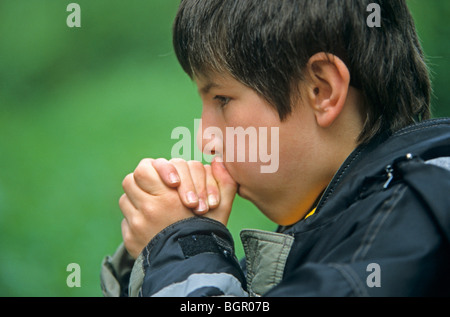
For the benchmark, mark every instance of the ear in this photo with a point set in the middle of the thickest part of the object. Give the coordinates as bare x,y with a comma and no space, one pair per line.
328,87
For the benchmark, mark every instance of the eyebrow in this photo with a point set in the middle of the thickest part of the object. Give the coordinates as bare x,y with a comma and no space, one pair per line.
205,89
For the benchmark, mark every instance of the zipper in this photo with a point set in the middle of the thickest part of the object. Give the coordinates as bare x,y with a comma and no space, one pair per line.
390,175
389,169
389,172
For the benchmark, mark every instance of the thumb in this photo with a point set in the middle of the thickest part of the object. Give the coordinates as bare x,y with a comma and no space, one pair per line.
226,183
227,187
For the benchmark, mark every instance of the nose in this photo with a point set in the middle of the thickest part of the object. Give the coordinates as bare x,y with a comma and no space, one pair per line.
209,137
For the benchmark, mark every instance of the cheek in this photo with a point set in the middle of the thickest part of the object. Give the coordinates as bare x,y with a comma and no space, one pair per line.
253,184
242,172
254,164
245,174
286,163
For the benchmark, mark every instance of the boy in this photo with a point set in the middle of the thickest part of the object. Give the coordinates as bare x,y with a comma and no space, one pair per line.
361,192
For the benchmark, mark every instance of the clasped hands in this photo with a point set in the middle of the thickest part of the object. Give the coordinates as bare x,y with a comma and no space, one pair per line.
160,192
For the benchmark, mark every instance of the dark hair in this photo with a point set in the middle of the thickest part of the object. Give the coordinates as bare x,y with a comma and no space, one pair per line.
265,45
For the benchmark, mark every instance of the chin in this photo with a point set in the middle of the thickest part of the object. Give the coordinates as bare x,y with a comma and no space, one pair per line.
247,195
267,208
249,192
242,192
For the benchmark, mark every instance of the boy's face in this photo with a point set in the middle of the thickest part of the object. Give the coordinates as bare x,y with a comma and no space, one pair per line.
288,191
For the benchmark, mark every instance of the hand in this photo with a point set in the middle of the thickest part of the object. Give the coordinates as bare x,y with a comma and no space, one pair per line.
196,186
149,205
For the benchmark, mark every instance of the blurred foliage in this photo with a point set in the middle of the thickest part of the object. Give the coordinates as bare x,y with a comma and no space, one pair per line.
79,107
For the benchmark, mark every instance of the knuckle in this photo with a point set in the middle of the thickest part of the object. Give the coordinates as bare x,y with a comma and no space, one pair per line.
127,181
161,160
142,170
160,163
196,167
147,209
195,164
145,161
177,160
122,199
135,224
164,167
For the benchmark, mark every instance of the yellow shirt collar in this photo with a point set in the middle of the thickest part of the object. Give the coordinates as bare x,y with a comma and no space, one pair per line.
310,213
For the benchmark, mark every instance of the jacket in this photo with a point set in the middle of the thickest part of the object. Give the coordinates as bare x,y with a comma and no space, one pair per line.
381,228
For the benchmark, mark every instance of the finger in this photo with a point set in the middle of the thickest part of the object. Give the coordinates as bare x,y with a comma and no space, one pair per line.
128,239
198,175
132,227
186,189
125,205
134,217
226,183
167,172
227,187
212,188
147,178
133,192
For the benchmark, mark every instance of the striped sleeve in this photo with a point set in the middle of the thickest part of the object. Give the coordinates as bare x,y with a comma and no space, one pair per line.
193,257
201,284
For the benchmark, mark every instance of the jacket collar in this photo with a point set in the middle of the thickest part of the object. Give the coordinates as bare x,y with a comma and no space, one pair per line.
427,140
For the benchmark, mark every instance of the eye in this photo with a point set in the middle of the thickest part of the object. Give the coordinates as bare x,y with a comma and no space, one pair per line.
223,101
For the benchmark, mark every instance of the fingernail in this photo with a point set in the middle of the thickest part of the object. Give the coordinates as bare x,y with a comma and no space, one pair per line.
191,197
201,206
173,178
212,200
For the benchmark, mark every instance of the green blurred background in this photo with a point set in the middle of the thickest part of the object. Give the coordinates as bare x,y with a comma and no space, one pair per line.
79,108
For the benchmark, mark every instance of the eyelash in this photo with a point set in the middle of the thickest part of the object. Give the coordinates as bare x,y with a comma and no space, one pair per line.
222,100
